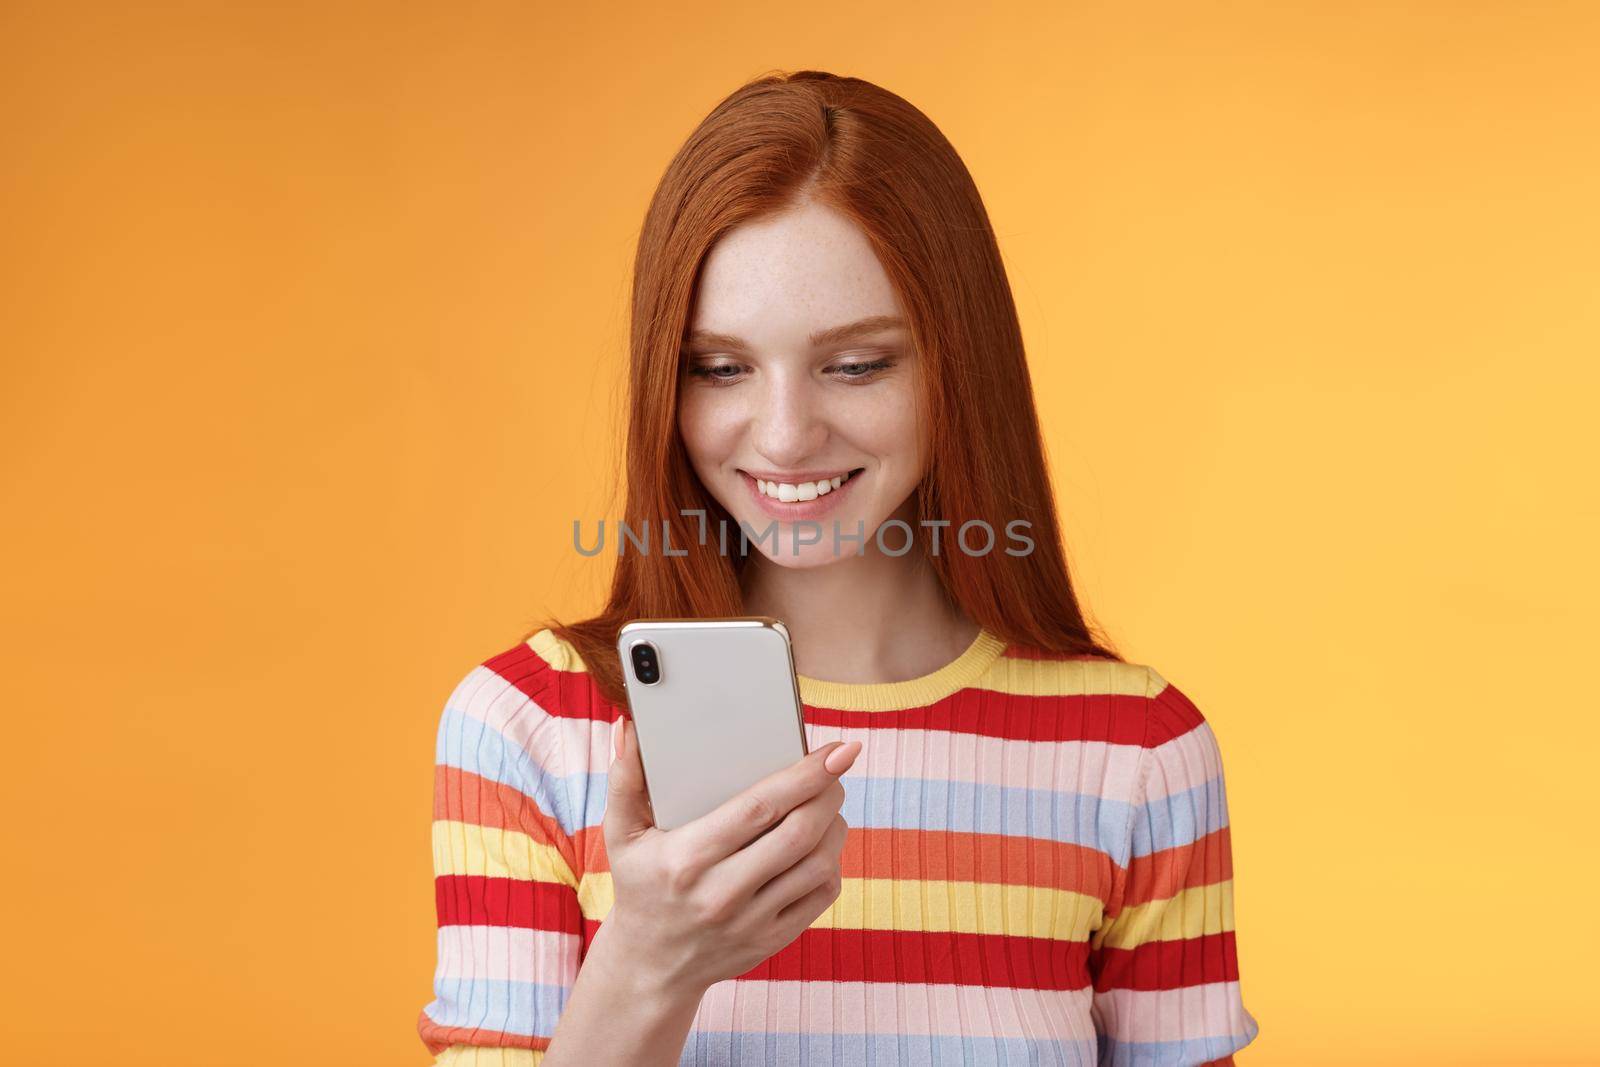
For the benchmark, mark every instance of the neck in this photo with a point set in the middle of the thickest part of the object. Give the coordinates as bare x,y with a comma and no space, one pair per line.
861,619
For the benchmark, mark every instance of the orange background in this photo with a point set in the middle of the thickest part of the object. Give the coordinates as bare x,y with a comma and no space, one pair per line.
312,320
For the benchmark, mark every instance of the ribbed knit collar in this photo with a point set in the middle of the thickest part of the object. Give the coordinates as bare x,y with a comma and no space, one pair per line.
954,676
911,693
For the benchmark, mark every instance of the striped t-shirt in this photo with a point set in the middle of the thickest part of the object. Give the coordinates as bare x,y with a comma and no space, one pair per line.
1038,870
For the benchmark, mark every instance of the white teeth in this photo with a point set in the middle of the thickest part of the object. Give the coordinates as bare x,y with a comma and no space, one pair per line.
788,492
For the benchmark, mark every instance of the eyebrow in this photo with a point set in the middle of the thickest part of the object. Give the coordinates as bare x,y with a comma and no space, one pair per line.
831,336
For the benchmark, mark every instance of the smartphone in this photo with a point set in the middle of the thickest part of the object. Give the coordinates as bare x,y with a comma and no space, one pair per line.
715,706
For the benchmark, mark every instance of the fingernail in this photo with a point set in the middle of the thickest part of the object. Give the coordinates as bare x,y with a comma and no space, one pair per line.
839,760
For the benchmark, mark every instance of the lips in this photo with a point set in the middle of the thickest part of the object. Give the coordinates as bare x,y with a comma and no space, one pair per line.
794,510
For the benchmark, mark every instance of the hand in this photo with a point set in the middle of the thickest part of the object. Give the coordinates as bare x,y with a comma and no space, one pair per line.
712,898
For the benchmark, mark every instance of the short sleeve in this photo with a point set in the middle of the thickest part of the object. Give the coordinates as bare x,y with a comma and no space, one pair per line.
1164,961
506,872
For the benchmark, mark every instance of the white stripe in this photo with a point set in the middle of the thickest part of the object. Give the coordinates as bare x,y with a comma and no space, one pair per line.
508,954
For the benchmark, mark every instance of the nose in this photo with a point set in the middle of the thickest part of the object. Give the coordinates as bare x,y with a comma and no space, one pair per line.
790,426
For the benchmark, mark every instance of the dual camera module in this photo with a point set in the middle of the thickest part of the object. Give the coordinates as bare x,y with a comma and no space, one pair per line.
646,664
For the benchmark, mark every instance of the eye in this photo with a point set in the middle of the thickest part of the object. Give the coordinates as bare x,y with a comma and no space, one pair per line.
714,372
855,372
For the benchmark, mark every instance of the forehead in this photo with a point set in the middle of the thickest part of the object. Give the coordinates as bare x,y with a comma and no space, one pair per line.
778,279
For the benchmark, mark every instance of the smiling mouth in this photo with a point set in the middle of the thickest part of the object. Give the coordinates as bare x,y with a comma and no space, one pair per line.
793,492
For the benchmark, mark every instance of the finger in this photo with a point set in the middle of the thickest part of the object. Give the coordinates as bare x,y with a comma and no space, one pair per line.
736,822
628,812
805,911
816,867
772,853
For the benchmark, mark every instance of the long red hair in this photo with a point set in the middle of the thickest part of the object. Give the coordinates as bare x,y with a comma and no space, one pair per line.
874,157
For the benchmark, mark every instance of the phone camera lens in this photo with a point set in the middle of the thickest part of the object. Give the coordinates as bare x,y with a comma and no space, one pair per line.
645,667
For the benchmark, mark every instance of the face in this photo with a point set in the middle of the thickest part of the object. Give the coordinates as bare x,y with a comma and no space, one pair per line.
798,394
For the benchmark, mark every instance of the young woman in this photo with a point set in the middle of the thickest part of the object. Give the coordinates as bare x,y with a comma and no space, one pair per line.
1008,845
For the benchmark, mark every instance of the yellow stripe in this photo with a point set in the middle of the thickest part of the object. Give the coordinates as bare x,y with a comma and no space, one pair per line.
926,906
596,894
1194,912
981,666
558,653
474,1056
961,907
1078,677
467,848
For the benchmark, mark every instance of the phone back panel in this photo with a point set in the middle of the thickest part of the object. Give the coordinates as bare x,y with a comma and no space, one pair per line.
725,713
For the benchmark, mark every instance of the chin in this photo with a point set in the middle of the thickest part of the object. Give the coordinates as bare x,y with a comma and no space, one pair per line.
822,552
809,557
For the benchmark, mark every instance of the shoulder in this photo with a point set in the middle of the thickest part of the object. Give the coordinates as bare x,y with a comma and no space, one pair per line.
1172,712
544,668
1024,669
533,697
1180,745
1089,697
1142,704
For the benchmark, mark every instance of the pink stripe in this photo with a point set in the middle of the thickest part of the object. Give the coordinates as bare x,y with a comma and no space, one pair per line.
1096,768
1210,1010
1187,761
895,1007
508,954
489,698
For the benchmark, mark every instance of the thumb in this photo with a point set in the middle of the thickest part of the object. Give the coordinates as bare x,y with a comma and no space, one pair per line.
628,810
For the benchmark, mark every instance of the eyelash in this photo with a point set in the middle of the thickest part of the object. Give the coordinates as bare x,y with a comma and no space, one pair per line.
870,370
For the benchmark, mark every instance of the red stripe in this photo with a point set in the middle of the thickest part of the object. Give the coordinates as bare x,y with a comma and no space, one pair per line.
1162,965
938,957
931,956
569,694
1110,717
438,1038
963,856
1172,714
1165,874
478,900
1115,718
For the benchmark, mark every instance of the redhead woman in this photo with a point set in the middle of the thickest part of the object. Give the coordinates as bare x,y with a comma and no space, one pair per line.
1007,845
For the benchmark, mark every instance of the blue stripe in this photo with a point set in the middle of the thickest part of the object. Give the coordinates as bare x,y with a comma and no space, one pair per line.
724,1048
1180,818
972,807
1189,1050
524,1008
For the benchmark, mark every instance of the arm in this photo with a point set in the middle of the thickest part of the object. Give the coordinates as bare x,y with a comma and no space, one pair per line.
508,809
618,1015
1164,961
516,792
619,1012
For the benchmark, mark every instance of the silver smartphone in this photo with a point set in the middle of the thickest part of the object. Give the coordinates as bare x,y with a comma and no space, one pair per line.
715,706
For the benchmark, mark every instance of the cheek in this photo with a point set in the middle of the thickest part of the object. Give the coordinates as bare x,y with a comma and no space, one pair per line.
706,424
886,426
